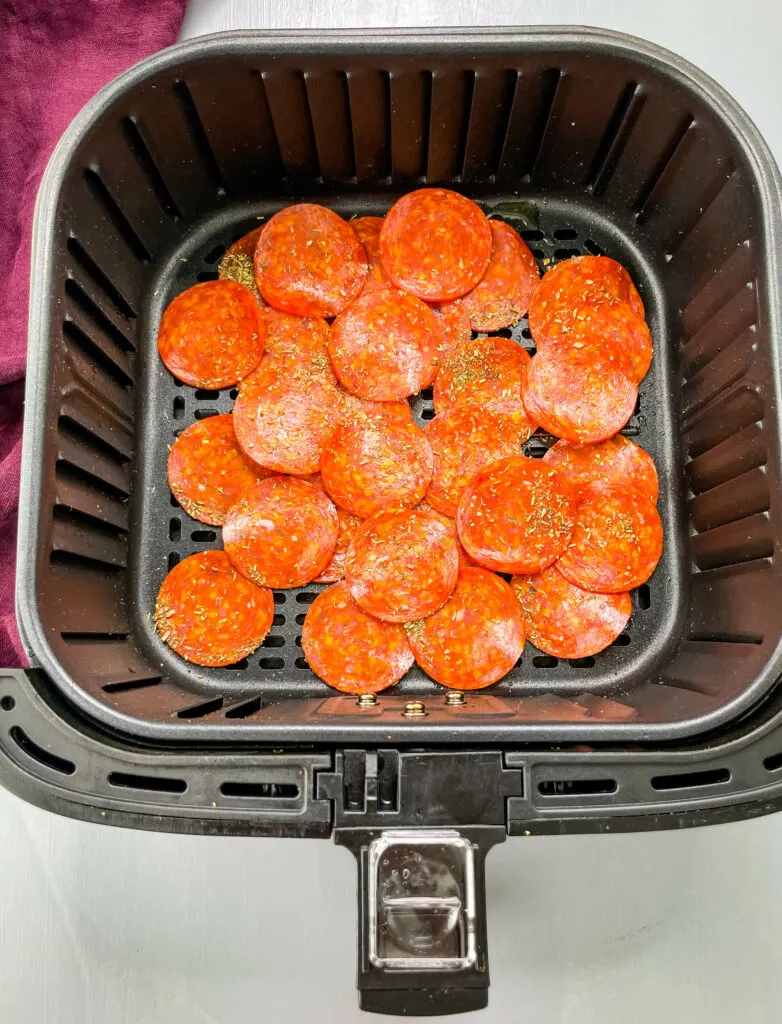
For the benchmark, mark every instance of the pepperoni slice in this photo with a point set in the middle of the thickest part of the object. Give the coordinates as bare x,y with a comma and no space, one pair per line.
238,263
450,524
487,373
502,296
376,461
289,406
309,261
402,566
577,281
565,621
435,244
209,614
335,570
581,395
475,638
207,470
456,328
282,534
616,543
465,440
615,462
384,347
368,230
211,335
517,515
351,650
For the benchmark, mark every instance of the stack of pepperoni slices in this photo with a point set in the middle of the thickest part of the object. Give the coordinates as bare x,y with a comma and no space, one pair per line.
446,546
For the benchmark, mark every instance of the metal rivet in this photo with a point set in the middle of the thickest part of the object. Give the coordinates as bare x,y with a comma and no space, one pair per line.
367,700
454,698
415,709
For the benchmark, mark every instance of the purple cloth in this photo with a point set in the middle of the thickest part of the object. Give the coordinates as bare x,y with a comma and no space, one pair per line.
54,55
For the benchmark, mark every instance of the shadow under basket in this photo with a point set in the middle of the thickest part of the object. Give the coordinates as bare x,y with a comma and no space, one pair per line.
582,141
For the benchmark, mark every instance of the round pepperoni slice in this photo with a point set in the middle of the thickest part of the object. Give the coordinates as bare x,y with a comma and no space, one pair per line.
402,566
576,282
450,524
475,638
615,462
309,261
616,542
351,650
581,395
238,263
289,406
212,335
384,347
517,515
376,461
487,373
335,570
209,614
502,296
565,621
368,230
435,244
282,534
465,440
207,470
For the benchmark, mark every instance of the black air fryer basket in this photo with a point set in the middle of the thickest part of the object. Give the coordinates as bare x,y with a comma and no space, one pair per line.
584,141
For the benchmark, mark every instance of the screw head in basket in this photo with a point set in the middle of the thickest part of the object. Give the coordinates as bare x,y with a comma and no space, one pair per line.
415,709
367,700
454,698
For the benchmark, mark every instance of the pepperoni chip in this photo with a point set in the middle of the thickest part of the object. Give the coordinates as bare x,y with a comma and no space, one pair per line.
574,283
376,461
211,335
368,230
487,373
282,534
238,263
475,638
402,566
465,440
582,395
207,470
384,347
350,650
565,621
616,542
309,261
335,570
289,406
517,515
502,296
615,462
450,524
435,244
209,614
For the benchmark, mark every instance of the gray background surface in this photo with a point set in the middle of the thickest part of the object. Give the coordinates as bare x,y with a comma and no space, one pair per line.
106,926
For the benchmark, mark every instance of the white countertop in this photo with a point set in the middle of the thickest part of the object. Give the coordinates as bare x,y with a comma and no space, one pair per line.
107,926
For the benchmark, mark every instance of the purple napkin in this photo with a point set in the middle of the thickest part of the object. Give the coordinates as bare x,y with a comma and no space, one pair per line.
53,57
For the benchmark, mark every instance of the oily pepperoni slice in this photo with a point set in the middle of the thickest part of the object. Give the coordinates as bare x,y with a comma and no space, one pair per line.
615,462
211,335
465,440
384,347
238,263
435,244
402,566
335,570
376,461
289,406
565,621
475,638
207,470
309,261
517,515
616,542
581,395
577,281
368,230
351,650
209,614
456,328
502,296
487,373
281,534
450,524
